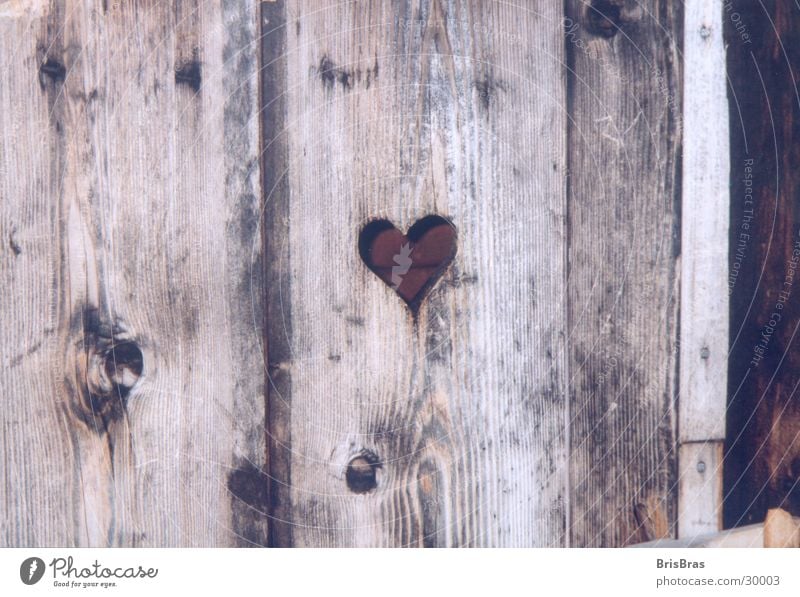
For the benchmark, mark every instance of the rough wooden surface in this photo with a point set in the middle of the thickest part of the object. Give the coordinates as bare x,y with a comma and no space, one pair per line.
781,529
699,488
624,145
132,378
704,227
763,449
704,319
454,420
528,400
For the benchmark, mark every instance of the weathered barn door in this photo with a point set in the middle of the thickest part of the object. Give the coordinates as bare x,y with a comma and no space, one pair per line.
436,307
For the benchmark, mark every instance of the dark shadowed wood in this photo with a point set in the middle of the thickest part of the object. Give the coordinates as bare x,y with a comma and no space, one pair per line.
448,426
132,375
624,141
763,447
277,273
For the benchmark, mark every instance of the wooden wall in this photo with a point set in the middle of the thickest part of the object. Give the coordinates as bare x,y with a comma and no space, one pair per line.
195,353
763,448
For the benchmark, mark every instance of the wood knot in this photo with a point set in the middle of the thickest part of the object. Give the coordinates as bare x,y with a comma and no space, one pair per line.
53,70
108,365
189,74
250,485
116,370
362,472
605,18
330,74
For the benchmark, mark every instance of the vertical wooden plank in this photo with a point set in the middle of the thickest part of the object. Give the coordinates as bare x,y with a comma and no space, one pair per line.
36,454
135,278
445,428
763,446
624,146
704,229
704,251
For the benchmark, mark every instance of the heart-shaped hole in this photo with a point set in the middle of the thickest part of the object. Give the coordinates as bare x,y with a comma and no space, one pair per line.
409,263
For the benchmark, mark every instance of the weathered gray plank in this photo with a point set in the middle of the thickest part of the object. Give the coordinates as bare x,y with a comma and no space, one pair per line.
624,139
699,488
704,227
705,209
132,368
36,448
397,111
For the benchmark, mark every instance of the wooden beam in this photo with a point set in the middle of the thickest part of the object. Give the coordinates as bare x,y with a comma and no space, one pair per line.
704,251
780,529
704,227
747,536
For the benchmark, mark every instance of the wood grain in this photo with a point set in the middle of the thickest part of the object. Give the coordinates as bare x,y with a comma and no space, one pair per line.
624,144
705,207
158,260
699,488
704,227
781,529
763,447
132,367
455,417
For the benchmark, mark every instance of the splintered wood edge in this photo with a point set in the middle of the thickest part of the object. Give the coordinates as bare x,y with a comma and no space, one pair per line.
781,529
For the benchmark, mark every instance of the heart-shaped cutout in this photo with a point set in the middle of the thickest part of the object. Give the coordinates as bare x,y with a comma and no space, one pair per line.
409,263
